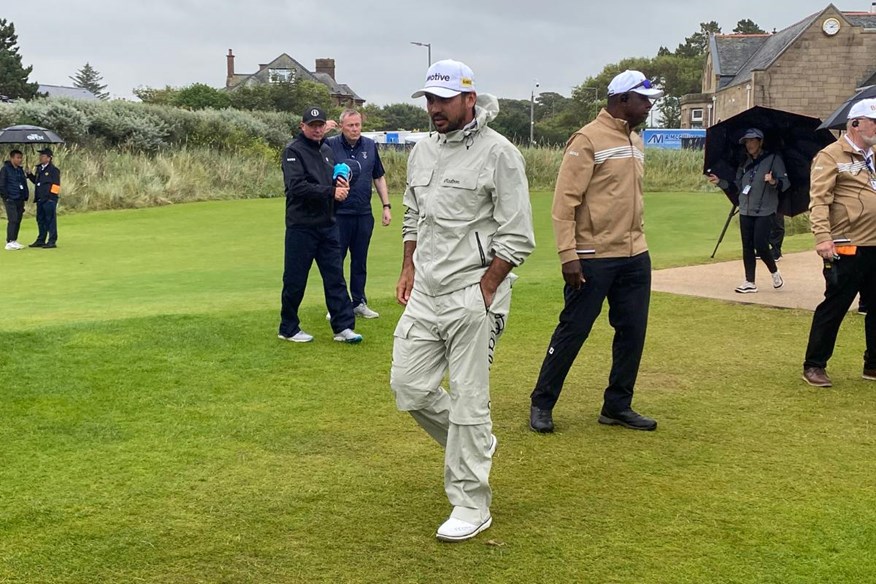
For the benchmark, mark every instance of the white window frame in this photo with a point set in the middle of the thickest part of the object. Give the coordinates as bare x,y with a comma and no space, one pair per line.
283,75
694,117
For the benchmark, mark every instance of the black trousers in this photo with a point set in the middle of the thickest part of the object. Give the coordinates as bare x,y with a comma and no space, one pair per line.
303,246
756,237
626,283
777,234
47,220
844,278
355,234
14,214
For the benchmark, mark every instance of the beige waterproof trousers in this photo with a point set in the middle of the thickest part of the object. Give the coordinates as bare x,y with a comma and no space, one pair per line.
455,334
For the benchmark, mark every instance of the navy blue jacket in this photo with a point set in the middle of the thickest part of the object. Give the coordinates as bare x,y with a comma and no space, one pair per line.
363,158
44,179
310,190
13,183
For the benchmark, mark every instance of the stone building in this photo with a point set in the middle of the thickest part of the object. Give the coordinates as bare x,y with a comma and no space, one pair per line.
809,68
285,68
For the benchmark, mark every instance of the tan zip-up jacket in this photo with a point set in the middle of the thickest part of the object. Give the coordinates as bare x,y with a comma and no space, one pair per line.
467,202
842,202
598,200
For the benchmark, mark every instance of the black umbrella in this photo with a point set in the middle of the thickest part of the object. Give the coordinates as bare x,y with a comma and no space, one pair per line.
837,120
796,138
28,135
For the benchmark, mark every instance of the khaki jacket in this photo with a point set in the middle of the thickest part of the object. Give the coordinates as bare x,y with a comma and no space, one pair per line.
842,201
467,201
598,200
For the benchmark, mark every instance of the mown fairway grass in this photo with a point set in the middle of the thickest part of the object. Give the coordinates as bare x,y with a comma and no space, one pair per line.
152,428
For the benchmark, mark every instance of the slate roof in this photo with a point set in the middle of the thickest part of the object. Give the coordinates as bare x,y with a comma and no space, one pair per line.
335,88
771,49
70,92
862,19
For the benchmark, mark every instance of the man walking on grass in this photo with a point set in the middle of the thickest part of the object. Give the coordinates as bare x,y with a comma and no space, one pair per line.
468,222
597,212
842,211
311,233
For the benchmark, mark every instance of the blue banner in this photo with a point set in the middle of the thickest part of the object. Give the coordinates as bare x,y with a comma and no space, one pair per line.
673,139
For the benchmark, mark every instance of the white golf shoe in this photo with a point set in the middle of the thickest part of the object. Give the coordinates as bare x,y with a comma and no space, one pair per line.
348,336
458,530
365,312
299,337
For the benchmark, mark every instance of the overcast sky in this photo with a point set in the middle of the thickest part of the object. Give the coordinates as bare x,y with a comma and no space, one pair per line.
508,43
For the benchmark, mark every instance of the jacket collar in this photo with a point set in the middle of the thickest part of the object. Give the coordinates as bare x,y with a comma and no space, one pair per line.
312,143
616,124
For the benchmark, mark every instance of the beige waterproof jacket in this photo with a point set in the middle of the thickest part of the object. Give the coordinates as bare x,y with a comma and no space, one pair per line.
842,202
598,201
467,201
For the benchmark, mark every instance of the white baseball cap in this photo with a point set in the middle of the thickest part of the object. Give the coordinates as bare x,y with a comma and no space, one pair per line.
447,78
866,108
634,81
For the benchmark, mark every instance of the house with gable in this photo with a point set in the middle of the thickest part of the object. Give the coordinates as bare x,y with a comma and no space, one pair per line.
810,68
286,69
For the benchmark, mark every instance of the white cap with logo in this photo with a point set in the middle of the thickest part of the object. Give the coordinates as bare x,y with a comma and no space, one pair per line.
634,81
866,108
447,78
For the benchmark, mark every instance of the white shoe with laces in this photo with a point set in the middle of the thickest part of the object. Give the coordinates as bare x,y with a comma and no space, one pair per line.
299,337
778,282
746,288
458,530
10,246
365,312
17,245
348,336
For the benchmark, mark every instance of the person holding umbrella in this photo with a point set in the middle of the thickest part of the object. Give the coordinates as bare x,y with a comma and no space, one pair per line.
842,212
14,192
759,180
47,180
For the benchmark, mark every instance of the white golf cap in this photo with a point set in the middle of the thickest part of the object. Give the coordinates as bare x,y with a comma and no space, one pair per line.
866,108
447,78
634,81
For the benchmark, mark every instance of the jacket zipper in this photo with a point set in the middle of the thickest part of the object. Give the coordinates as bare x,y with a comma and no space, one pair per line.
481,250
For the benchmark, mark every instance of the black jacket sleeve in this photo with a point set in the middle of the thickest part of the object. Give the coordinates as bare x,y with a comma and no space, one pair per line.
3,181
295,176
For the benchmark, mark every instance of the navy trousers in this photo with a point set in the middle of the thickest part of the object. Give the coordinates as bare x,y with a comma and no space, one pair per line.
47,220
303,246
844,278
355,234
14,214
626,283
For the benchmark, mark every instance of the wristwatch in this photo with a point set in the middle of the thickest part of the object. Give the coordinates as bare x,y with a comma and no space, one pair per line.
387,206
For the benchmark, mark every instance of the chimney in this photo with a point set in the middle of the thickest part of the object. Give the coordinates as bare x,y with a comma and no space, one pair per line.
326,66
230,64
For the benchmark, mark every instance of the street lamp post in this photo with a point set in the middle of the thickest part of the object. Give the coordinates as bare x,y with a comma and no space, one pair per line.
429,58
532,115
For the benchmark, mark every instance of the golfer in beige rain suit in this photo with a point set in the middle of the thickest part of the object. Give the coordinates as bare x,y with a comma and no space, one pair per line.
468,223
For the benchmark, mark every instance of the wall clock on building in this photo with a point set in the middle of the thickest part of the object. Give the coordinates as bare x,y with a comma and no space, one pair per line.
830,26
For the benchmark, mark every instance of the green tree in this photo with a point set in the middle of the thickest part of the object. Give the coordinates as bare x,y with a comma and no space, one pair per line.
372,118
200,96
13,75
156,96
283,96
88,78
747,26
697,44
404,116
669,109
513,120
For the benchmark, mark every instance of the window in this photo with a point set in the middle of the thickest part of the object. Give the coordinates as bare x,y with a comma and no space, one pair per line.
281,75
696,115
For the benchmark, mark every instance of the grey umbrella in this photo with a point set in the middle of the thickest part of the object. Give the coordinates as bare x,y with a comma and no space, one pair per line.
837,120
28,135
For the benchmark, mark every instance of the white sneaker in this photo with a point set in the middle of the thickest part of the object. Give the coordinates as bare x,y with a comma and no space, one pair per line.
365,312
348,336
17,245
777,280
299,337
746,288
11,246
493,445
458,530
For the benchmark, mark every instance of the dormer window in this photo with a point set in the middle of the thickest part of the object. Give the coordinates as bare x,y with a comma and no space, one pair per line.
281,75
